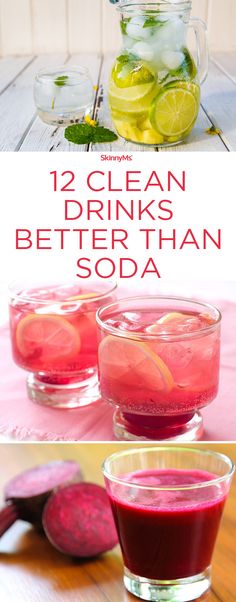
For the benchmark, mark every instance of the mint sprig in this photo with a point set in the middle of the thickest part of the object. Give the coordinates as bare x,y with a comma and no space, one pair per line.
61,80
83,133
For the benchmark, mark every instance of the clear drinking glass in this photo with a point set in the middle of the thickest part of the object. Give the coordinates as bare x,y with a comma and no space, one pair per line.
154,89
167,504
54,338
159,363
63,95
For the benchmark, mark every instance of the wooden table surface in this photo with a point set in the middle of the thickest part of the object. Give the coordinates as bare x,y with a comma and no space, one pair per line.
31,570
22,130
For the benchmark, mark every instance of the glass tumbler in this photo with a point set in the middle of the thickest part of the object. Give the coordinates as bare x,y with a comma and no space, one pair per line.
63,95
159,364
167,504
54,338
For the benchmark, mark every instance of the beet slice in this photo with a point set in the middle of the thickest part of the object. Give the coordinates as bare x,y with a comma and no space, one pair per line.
78,520
27,493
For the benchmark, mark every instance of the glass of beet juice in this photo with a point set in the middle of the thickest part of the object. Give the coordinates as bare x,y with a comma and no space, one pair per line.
159,364
167,504
54,338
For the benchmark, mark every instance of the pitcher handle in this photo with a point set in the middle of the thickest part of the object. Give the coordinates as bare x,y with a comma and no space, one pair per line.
200,30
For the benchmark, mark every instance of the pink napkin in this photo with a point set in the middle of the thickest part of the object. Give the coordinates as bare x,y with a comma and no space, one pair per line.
24,420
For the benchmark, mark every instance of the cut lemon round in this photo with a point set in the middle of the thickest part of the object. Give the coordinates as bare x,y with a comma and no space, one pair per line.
81,297
174,111
133,361
134,94
47,335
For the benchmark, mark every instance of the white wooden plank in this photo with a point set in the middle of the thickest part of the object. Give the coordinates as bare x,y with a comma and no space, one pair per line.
200,9
226,61
103,114
49,26
17,105
111,34
16,27
10,67
222,25
84,26
219,100
42,137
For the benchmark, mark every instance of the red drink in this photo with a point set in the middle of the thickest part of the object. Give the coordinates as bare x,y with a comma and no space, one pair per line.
54,336
167,504
159,531
159,364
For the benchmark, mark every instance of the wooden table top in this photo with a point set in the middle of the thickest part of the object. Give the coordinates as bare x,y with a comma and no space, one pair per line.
31,570
22,130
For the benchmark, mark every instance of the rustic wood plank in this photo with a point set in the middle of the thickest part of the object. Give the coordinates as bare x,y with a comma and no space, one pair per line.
17,108
42,137
226,61
219,102
16,27
84,26
11,67
31,570
49,26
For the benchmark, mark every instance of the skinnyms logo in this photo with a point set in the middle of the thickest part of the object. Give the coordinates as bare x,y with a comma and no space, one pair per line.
117,158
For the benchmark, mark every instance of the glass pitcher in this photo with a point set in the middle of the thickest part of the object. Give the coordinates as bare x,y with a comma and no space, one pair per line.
154,88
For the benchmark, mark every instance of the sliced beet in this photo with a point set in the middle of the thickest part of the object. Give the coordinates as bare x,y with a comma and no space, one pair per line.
27,493
78,520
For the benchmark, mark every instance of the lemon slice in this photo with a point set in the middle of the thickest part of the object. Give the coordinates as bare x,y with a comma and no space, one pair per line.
49,336
130,359
81,297
134,94
173,316
174,111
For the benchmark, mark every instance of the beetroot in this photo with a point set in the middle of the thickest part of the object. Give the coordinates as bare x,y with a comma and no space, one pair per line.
78,520
27,493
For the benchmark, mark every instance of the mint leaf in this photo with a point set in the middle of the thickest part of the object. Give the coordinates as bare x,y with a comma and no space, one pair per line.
82,133
61,80
123,25
102,134
153,22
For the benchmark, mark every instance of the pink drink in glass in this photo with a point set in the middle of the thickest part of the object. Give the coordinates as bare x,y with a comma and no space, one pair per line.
159,364
167,518
54,337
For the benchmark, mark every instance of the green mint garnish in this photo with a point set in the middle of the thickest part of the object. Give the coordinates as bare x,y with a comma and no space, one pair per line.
153,22
61,80
126,58
124,24
82,133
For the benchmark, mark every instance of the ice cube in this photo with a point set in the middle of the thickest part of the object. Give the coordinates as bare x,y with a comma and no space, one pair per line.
135,29
171,59
143,51
128,42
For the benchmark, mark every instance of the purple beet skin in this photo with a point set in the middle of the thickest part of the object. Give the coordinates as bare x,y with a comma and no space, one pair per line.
78,520
27,493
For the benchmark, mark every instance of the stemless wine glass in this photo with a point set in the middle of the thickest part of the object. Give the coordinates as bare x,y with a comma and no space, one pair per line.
167,504
154,89
54,338
159,364
63,95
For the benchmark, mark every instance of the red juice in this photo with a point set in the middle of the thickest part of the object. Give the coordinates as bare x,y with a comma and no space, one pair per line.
167,534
